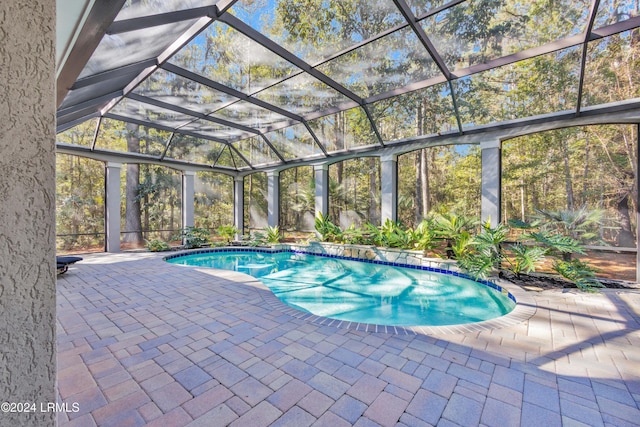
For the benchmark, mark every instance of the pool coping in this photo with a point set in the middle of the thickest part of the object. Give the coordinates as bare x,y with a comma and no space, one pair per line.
524,309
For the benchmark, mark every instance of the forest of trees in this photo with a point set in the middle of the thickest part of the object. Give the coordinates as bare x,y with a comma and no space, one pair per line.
594,166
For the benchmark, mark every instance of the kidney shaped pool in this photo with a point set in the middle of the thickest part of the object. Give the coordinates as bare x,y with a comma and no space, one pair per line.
364,292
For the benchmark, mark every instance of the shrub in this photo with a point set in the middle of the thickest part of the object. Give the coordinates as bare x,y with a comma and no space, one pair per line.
194,237
450,227
156,245
272,235
227,232
524,258
579,272
329,232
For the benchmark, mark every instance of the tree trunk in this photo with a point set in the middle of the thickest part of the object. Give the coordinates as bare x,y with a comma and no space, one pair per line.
132,223
625,237
567,176
522,201
585,176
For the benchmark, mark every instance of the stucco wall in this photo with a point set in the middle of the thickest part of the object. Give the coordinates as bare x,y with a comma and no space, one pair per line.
27,208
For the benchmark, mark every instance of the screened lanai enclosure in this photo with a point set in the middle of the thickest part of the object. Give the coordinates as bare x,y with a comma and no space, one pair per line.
251,113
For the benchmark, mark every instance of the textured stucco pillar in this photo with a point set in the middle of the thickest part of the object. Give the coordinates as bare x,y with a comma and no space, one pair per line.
491,181
27,208
238,204
112,207
322,188
388,188
188,198
273,198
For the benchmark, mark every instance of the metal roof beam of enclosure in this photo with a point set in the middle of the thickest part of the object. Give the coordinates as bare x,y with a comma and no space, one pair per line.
422,36
265,42
114,73
315,138
194,114
224,5
266,140
227,90
111,156
143,22
86,105
583,61
100,17
285,54
95,134
494,63
439,9
180,42
616,28
431,50
373,125
231,147
162,127
218,156
166,147
68,125
455,105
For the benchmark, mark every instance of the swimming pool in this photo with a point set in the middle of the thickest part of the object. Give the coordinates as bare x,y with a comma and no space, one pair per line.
359,291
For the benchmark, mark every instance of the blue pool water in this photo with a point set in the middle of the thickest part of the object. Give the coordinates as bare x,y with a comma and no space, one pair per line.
362,292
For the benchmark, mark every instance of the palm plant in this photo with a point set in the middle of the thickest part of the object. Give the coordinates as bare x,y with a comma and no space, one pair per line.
575,223
557,243
227,232
579,272
450,228
524,258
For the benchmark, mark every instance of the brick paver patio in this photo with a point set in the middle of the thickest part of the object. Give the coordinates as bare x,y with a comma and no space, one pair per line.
141,341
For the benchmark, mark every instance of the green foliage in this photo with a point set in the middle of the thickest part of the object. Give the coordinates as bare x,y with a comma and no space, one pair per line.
462,246
489,241
557,243
194,237
481,254
476,265
355,236
258,238
272,235
524,258
157,245
227,232
450,225
394,235
423,236
329,232
579,272
579,224
451,228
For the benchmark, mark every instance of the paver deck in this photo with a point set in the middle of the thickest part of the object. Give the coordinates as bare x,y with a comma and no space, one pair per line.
141,341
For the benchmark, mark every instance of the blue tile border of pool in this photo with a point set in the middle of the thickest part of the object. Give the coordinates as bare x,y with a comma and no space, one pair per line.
524,309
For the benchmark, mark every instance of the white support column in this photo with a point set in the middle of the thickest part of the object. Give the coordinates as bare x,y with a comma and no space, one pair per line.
273,198
238,205
112,207
322,188
491,181
388,188
637,203
188,198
